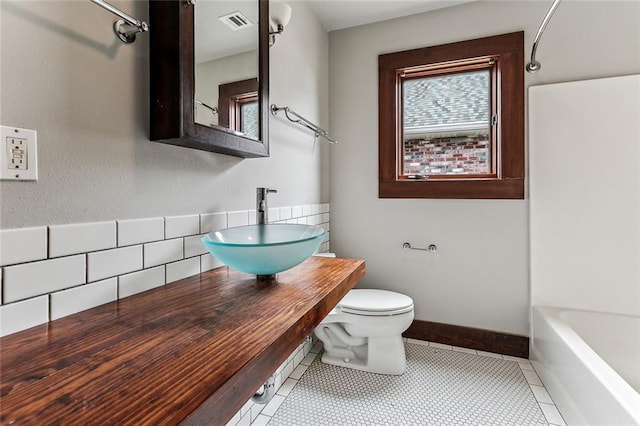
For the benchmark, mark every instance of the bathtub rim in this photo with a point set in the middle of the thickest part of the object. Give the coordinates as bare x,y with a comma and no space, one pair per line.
621,391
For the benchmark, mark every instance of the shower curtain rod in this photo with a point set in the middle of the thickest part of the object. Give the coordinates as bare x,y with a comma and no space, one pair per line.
533,65
319,131
125,28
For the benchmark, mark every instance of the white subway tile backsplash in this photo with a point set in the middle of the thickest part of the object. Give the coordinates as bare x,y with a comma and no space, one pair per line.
36,278
44,270
193,246
137,231
274,214
86,296
181,226
162,252
22,315
109,263
302,221
22,245
238,218
140,281
212,222
209,262
81,238
285,213
183,269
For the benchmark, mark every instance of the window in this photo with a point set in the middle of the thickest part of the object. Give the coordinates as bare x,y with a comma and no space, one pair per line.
451,120
238,106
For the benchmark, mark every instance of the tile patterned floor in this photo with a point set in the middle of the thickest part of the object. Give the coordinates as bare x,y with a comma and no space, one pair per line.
442,385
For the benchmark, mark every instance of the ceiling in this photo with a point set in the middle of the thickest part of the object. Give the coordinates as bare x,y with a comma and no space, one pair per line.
339,14
333,14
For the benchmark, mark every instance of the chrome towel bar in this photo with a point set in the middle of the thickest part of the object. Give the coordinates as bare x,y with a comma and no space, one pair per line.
432,247
317,130
125,28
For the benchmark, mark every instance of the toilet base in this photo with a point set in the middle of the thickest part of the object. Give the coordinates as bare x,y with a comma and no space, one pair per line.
381,355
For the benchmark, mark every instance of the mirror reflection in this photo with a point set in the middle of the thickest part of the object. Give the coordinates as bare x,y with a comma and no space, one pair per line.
226,65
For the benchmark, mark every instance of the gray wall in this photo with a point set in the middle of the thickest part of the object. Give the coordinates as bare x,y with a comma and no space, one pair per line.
480,275
65,75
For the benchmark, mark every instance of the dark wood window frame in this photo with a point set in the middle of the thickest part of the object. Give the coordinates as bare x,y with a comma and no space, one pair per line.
507,179
231,96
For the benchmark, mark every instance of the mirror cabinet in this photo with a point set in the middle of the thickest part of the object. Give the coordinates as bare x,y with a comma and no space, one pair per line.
209,75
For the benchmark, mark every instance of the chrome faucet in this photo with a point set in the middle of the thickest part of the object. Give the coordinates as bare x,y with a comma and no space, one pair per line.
262,216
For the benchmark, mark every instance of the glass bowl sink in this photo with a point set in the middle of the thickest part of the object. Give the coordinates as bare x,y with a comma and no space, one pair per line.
264,249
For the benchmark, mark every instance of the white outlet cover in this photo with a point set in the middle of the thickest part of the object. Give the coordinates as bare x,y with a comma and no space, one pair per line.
31,138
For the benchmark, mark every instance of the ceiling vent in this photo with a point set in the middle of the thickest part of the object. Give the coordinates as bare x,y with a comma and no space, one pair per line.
236,21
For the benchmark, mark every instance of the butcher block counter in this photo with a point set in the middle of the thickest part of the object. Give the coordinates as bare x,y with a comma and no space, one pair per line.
190,352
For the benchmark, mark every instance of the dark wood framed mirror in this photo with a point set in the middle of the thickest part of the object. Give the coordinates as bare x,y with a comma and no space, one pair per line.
173,85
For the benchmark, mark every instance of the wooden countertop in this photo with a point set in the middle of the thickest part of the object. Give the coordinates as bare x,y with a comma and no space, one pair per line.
193,351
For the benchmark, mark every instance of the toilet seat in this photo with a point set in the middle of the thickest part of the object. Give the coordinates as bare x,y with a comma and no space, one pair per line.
371,302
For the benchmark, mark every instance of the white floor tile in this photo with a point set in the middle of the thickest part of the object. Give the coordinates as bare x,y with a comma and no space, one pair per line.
273,405
262,420
489,354
465,350
418,342
525,365
541,394
323,395
298,372
463,388
287,387
532,377
309,359
552,414
440,346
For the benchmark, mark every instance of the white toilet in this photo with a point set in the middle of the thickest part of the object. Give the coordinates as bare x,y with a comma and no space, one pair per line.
364,331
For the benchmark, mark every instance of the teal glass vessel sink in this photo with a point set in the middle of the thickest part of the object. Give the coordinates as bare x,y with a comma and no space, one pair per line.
264,250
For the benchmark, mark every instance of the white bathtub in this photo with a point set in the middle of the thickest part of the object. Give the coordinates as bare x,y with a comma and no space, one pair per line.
590,364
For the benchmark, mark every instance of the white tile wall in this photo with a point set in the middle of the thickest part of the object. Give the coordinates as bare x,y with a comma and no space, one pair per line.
181,226
162,252
285,213
37,278
78,299
274,214
183,269
137,231
208,262
193,246
140,281
109,263
23,245
50,272
81,238
212,221
239,218
22,315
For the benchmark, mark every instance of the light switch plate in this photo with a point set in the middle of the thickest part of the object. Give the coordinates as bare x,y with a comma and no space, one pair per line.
18,154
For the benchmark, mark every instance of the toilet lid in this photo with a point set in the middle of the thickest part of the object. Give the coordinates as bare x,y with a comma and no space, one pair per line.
375,302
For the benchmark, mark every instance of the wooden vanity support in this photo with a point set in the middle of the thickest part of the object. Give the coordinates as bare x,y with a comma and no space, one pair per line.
190,352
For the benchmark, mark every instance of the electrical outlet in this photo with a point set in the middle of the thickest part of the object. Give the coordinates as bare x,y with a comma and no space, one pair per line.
18,154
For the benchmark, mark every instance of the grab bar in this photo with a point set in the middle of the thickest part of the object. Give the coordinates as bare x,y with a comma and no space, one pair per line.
319,131
533,65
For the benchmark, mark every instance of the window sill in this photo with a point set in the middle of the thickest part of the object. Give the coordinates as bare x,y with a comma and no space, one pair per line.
511,189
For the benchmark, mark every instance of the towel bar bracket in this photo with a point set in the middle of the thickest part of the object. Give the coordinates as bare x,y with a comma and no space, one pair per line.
430,248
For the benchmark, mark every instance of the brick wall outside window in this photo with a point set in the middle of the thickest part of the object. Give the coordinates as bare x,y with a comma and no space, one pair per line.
456,153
